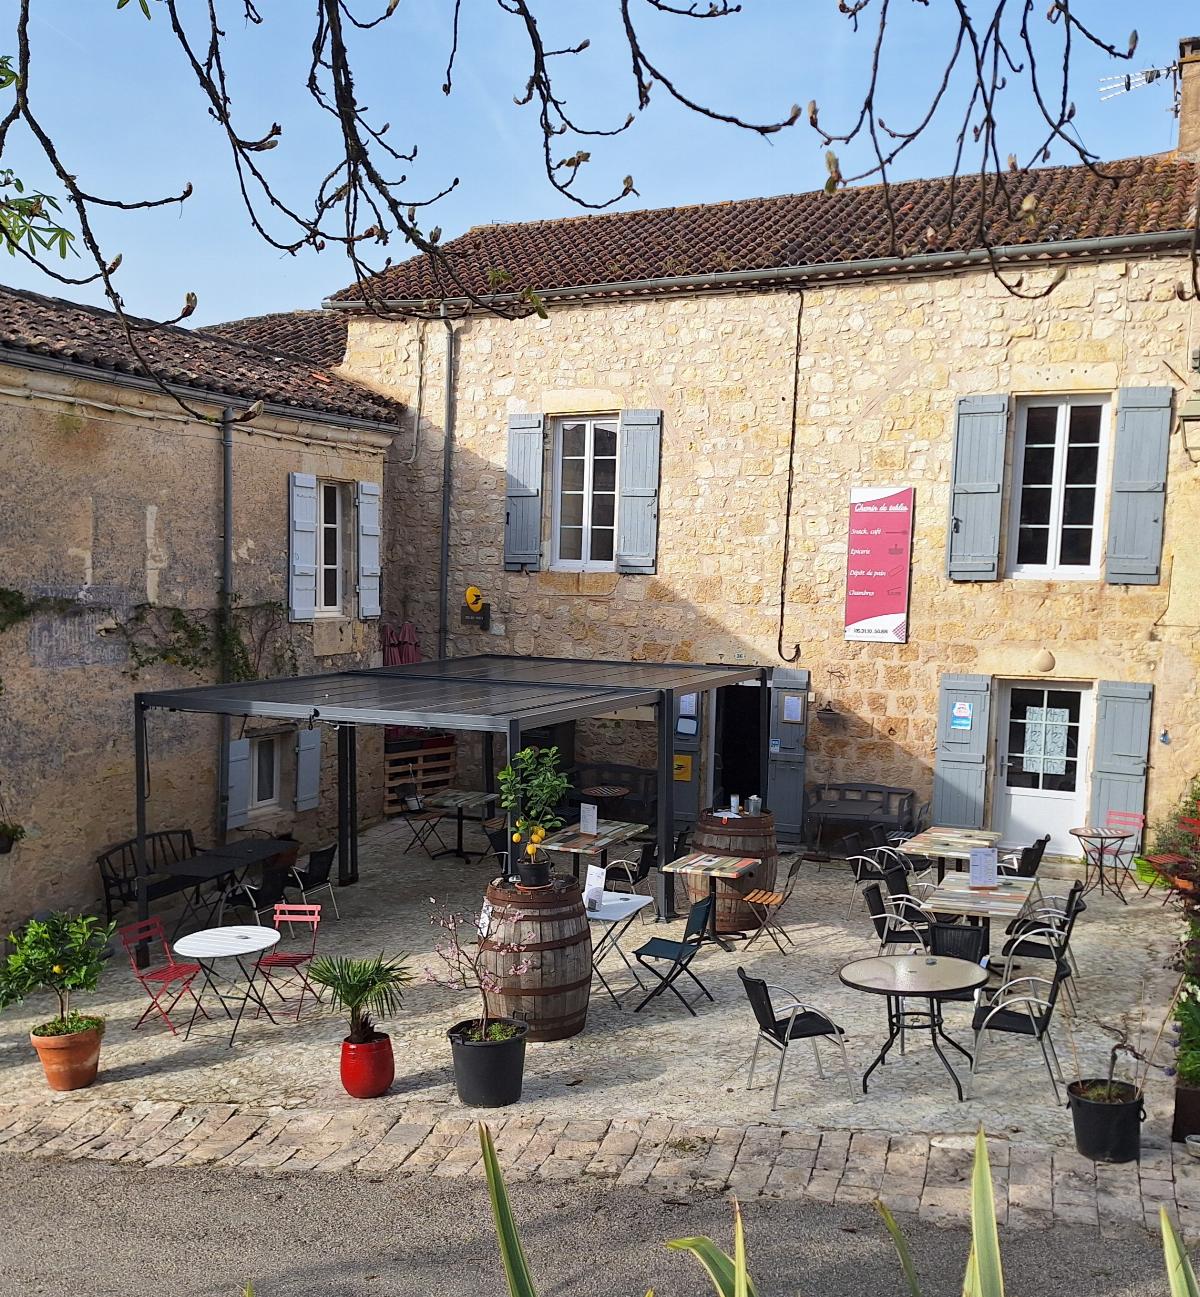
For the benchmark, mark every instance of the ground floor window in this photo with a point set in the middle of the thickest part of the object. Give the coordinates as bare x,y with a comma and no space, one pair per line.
264,772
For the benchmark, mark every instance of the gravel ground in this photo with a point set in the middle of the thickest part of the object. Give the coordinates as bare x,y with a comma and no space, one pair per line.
85,1229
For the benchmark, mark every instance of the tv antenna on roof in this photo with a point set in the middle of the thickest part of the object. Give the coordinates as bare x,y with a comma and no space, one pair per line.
1111,87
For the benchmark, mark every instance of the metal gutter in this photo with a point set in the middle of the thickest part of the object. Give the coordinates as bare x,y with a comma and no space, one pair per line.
52,364
772,276
443,633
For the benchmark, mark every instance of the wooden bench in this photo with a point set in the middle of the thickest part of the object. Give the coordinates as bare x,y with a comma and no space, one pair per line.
859,804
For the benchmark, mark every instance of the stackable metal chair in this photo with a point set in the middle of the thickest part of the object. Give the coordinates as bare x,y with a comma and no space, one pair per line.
1023,1006
170,978
893,927
1024,863
677,955
314,877
794,1020
281,967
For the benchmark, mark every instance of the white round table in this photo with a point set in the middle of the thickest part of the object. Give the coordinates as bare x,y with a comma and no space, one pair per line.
236,942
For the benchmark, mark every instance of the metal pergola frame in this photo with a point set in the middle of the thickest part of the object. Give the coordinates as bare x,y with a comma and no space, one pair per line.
487,694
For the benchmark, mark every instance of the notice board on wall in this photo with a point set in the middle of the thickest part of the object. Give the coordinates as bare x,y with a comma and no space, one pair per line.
879,563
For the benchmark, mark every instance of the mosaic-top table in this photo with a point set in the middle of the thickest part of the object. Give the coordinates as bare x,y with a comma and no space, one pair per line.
609,833
1008,900
942,844
459,800
702,865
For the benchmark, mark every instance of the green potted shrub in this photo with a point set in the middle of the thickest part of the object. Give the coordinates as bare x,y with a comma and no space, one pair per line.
10,834
63,953
370,989
532,788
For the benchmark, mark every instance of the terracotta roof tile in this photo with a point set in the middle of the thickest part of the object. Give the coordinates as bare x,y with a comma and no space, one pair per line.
1135,196
85,335
319,336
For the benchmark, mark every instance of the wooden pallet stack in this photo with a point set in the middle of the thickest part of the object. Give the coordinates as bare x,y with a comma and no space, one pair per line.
427,769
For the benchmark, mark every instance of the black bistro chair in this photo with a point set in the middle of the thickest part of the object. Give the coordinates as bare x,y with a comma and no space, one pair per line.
798,1021
315,875
958,941
1023,1006
677,955
893,928
1025,863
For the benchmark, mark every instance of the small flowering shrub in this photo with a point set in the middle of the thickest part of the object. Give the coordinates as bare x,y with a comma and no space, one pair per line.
464,964
63,953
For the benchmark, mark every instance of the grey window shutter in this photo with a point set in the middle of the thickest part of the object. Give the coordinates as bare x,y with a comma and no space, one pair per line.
637,505
1139,486
308,769
367,498
302,546
1122,748
523,500
976,488
237,782
960,763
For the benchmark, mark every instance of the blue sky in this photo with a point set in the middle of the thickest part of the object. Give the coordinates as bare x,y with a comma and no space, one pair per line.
129,119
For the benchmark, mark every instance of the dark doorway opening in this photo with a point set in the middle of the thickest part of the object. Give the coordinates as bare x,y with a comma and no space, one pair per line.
739,741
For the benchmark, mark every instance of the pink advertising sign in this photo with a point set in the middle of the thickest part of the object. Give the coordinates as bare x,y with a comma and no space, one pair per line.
879,557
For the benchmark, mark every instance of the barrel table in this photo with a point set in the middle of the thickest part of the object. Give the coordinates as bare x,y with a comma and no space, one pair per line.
544,934
746,836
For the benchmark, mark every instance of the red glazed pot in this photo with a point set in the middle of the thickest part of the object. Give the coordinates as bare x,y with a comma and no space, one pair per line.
368,1069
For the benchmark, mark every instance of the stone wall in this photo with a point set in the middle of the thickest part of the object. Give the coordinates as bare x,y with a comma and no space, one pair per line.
112,499
880,365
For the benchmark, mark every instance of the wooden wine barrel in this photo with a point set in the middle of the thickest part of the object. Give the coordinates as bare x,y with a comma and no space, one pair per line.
749,835
546,929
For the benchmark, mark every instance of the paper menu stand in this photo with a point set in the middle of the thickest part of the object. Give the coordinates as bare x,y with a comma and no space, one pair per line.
983,867
593,888
589,816
485,919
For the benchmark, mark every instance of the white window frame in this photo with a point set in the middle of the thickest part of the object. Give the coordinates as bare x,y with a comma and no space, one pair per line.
584,564
1055,571
322,608
270,803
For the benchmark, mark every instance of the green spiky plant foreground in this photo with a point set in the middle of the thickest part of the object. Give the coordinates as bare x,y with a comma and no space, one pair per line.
730,1276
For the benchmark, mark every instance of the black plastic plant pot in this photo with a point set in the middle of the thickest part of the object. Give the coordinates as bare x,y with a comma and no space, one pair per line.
1107,1131
6,844
1187,1113
488,1073
533,873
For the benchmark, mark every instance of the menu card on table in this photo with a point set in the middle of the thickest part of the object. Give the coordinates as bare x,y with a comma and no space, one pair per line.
593,888
589,816
983,867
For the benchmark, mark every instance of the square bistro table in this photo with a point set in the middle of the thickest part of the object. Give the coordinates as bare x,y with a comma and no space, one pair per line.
219,863
616,911
459,801
700,865
941,845
609,833
1008,900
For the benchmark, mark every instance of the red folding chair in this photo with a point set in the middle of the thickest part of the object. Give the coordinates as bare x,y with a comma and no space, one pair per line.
281,967
161,980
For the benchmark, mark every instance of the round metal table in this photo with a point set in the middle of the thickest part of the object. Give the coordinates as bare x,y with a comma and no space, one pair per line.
925,977
1098,845
234,942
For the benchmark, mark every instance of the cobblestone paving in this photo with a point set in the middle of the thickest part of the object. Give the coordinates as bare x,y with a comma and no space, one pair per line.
656,1099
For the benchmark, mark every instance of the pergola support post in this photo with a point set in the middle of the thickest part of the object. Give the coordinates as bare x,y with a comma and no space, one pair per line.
764,734
512,746
664,884
347,807
139,845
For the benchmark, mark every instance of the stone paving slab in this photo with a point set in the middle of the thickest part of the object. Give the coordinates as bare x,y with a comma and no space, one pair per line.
929,1176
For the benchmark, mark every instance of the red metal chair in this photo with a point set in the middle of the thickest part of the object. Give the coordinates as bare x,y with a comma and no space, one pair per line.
160,980
278,967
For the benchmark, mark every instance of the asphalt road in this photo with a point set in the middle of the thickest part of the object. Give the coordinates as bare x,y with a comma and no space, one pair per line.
85,1228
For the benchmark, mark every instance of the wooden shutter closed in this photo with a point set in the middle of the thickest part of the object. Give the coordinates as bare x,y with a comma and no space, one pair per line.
637,504
1122,748
302,546
237,783
960,762
368,499
523,496
976,488
1137,502
308,769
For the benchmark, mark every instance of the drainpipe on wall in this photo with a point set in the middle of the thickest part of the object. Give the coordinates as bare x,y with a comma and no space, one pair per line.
447,463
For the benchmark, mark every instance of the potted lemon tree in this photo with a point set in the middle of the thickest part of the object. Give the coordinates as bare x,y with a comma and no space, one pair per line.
63,953
532,788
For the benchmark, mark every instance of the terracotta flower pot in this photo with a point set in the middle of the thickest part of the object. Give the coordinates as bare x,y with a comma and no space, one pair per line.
368,1069
72,1061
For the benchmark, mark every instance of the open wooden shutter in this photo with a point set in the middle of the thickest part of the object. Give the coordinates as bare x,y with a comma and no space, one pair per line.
976,488
960,763
367,498
237,783
1122,748
637,504
523,497
308,769
302,546
1139,486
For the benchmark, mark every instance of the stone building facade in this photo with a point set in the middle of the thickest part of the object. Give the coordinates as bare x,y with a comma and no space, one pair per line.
111,551
817,388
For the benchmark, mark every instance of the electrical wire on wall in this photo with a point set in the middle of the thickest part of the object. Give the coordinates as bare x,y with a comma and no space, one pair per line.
791,483
416,441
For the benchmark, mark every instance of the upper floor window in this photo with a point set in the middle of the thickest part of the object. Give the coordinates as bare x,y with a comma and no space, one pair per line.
585,494
1057,495
331,546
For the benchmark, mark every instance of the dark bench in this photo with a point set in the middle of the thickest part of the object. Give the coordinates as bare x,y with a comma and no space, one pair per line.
118,868
859,804
638,806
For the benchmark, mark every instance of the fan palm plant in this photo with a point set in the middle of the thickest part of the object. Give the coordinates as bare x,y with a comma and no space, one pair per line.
369,988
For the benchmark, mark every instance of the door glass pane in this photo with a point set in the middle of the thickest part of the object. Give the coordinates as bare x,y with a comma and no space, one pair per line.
329,587
570,543
1081,465
1038,467
1041,425
572,474
1075,548
1084,425
574,438
1035,506
605,438
1062,782
604,475
1079,505
602,544
603,510
1023,699
1016,775
571,512
1069,699
1033,544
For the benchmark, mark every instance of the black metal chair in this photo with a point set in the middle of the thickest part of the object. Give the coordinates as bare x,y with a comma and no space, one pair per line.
1023,1006
967,941
496,832
900,882
798,1021
1025,863
767,904
678,955
893,929
259,898
315,875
